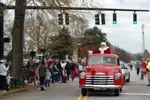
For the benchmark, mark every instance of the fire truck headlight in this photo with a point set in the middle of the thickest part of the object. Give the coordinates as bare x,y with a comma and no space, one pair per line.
117,76
82,75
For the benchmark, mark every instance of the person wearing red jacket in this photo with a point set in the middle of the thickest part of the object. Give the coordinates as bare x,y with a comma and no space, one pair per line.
143,69
104,49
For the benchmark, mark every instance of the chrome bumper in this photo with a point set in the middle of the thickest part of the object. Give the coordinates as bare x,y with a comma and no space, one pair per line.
101,86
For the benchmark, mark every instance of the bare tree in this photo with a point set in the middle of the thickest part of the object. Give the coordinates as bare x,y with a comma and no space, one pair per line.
39,30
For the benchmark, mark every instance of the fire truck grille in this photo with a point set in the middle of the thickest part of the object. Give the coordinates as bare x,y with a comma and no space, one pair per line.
100,80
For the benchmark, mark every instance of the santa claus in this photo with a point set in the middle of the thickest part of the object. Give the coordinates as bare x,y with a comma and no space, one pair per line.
104,49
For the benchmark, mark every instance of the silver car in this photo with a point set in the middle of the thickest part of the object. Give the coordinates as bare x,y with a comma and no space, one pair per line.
126,71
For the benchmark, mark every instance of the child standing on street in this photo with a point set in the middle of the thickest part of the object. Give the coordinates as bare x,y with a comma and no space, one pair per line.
73,75
48,77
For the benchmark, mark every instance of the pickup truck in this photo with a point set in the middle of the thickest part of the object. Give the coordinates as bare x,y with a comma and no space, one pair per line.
102,72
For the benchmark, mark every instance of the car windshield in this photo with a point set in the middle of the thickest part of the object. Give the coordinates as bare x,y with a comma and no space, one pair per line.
101,60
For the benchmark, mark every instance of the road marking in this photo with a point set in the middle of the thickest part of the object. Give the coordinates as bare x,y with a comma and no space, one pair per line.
79,97
85,98
136,94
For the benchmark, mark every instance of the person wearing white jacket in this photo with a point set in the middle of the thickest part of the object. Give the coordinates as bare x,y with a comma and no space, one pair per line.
3,75
48,78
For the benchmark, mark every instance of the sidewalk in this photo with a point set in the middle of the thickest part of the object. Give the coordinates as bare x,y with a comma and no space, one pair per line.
13,91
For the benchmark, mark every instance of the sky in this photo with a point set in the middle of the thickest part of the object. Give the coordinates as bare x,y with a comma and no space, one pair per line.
125,34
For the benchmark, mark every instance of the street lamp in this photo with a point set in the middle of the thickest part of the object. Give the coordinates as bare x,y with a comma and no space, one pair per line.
143,39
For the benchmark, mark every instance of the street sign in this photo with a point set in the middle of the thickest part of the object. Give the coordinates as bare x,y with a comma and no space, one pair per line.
40,55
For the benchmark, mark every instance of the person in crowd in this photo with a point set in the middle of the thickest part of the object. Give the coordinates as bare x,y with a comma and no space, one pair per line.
77,70
73,75
72,67
104,49
56,72
67,68
80,67
131,66
143,69
59,68
52,72
32,78
48,77
63,76
148,71
138,66
28,65
42,74
3,76
72,70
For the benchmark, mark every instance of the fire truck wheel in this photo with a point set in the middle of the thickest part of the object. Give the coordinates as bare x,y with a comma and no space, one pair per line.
120,89
117,92
84,92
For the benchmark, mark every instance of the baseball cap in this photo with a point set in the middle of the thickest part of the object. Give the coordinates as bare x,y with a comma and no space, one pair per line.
2,61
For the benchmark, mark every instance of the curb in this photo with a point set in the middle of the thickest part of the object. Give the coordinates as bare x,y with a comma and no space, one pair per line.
13,92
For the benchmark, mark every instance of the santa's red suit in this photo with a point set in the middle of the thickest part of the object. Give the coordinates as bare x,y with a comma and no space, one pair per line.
105,50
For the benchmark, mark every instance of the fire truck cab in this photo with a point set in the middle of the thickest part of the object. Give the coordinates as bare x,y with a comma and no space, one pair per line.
102,72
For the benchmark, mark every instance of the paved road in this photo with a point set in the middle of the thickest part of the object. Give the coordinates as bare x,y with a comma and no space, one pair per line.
135,90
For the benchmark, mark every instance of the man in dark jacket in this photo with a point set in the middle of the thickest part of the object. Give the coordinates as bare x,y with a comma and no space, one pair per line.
68,70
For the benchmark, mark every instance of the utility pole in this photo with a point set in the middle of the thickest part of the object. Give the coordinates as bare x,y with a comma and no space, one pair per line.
143,39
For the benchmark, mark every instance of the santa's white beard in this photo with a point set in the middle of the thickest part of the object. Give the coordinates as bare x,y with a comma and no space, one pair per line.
102,49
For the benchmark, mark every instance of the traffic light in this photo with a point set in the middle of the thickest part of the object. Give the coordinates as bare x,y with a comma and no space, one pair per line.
60,19
103,18
97,20
32,54
6,40
67,18
114,18
134,18
40,50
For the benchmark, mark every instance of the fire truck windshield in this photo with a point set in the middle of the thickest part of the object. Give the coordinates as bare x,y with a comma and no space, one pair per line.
102,60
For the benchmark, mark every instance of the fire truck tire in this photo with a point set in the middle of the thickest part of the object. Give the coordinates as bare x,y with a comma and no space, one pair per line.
84,92
117,92
120,89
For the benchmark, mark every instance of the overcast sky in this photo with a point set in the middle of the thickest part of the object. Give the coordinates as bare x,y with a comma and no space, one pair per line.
125,34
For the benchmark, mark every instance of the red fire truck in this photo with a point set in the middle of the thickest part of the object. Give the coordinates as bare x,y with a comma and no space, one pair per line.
102,72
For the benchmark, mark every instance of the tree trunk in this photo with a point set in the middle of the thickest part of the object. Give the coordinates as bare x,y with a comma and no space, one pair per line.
18,36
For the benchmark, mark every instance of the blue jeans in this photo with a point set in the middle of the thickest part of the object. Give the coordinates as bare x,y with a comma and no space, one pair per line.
56,78
53,78
42,78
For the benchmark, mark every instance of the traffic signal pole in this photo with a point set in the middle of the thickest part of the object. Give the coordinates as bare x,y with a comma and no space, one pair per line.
1,32
77,8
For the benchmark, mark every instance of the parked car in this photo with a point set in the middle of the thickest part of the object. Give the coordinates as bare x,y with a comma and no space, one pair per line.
103,72
126,71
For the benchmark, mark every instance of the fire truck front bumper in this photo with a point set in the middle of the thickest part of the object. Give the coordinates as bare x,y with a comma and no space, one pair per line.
101,87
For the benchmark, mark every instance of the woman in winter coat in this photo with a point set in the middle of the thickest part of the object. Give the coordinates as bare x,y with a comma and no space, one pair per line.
42,74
